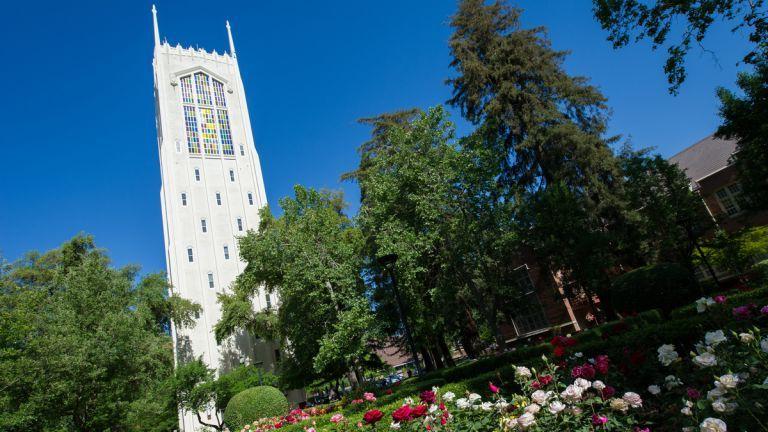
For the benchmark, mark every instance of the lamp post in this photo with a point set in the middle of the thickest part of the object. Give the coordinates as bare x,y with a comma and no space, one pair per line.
388,262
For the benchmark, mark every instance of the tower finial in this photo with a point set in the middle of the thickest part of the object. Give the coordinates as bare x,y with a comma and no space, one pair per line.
231,42
154,22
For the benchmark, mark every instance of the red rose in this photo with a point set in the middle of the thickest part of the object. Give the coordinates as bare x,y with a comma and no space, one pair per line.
569,342
587,371
418,411
373,416
402,414
602,362
545,379
608,391
559,351
388,391
427,396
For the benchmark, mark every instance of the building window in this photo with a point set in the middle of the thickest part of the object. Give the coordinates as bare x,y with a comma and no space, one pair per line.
226,252
203,225
242,150
210,280
218,198
269,301
178,146
225,133
190,255
183,199
190,124
730,199
250,198
530,316
206,117
239,224
197,174
231,175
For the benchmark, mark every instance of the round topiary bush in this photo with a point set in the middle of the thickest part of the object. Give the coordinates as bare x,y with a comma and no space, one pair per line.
663,286
253,404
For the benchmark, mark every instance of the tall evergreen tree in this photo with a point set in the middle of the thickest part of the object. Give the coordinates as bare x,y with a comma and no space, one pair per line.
551,128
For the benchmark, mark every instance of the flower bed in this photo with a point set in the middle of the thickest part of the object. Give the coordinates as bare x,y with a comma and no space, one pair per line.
703,371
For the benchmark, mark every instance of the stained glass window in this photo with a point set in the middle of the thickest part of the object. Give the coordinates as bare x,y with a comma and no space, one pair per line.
225,133
208,130
186,90
203,122
218,93
190,123
203,88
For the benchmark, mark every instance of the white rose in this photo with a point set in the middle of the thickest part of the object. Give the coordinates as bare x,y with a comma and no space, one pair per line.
764,344
715,393
522,372
533,409
723,406
578,355
598,385
714,338
556,406
486,406
463,403
671,382
526,420
703,303
633,399
711,424
394,425
619,405
727,381
449,396
746,337
540,396
474,397
654,389
686,411
667,354
705,360
501,404
572,393
581,382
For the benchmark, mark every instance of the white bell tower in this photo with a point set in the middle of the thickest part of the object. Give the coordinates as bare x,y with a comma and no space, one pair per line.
211,193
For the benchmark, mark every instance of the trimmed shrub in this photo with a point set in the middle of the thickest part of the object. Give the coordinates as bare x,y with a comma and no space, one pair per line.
663,286
253,404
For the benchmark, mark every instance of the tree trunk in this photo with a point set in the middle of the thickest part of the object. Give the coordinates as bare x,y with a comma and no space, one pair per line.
446,352
428,364
437,357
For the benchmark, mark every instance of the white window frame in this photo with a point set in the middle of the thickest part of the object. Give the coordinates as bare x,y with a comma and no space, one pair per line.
211,281
226,252
184,199
190,254
197,174
250,198
240,224
232,175
203,225
731,197
218,198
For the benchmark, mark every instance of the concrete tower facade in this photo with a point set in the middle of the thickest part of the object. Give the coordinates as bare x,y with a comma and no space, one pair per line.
211,193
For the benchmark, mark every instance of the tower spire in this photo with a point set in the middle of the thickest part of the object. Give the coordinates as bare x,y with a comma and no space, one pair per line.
154,22
231,42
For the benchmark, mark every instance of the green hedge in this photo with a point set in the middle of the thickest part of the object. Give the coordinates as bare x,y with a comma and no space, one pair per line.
253,404
665,286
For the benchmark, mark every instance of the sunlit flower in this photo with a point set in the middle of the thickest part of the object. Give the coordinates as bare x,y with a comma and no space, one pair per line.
448,396
526,420
598,385
540,396
711,424
617,404
633,399
474,397
522,372
556,406
727,381
533,408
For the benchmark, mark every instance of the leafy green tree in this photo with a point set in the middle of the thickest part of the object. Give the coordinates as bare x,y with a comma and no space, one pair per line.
745,119
634,20
550,126
311,256
667,216
84,345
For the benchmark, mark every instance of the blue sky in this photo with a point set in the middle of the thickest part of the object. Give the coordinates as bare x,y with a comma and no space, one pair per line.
78,143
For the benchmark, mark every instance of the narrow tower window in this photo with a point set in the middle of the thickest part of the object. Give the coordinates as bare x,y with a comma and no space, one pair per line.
203,89
203,225
183,199
190,255
239,224
250,198
269,301
197,174
226,252
190,124
210,280
231,175
218,198
225,133
242,150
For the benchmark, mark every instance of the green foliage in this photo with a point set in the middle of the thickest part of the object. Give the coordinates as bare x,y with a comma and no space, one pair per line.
737,252
253,404
745,120
664,286
668,215
311,256
85,346
634,20
239,379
